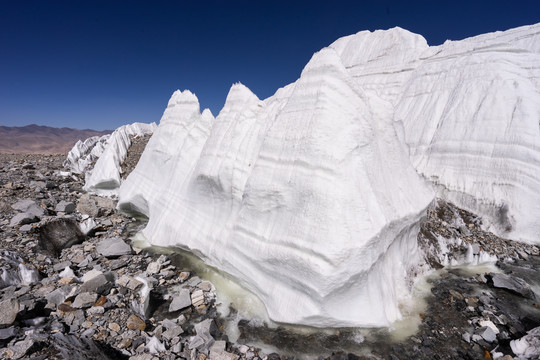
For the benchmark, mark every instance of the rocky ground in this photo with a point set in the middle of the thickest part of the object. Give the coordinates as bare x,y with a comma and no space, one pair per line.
138,143
73,285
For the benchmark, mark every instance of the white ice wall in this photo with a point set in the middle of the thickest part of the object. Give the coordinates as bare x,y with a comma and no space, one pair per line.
296,197
311,198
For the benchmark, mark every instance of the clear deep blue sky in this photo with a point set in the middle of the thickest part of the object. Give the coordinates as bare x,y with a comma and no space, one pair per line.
102,64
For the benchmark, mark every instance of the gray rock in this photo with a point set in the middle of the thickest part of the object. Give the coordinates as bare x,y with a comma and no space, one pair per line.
25,228
486,333
168,324
142,357
8,333
118,263
218,347
176,348
113,247
23,219
106,206
22,348
84,300
74,318
196,342
172,332
194,281
95,310
37,185
466,337
87,205
205,286
58,234
58,296
153,268
65,206
9,309
29,206
61,265
206,329
129,282
99,284
512,284
180,301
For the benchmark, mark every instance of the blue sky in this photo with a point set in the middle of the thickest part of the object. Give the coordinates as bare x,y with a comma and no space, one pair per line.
102,64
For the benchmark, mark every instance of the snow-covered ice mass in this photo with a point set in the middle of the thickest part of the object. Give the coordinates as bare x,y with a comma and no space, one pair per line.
311,199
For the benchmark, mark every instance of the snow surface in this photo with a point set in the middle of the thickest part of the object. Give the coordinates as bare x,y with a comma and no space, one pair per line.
311,199
110,150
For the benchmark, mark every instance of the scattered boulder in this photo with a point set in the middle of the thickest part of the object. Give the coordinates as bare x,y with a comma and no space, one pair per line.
58,234
9,309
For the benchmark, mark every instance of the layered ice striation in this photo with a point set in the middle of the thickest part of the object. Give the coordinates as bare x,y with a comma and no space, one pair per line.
311,198
100,158
471,114
469,111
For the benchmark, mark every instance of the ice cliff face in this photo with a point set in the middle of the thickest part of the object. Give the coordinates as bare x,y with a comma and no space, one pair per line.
471,115
469,111
311,198
296,196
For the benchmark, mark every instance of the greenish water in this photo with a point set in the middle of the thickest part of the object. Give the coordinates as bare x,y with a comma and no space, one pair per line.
247,322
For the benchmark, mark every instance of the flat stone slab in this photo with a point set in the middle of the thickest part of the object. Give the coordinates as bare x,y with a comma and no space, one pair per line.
84,300
29,206
23,219
486,333
180,301
113,247
511,283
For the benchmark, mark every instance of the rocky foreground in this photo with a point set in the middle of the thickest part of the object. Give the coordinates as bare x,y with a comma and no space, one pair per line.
73,285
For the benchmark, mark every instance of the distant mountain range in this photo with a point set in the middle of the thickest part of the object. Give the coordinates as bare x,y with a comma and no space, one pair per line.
36,139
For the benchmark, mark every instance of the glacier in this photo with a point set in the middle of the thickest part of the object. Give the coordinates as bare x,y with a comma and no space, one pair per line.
311,198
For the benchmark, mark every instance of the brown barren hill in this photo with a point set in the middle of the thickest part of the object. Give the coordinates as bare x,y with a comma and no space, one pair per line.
35,139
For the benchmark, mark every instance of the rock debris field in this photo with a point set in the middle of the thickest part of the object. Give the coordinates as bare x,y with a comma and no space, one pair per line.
73,285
